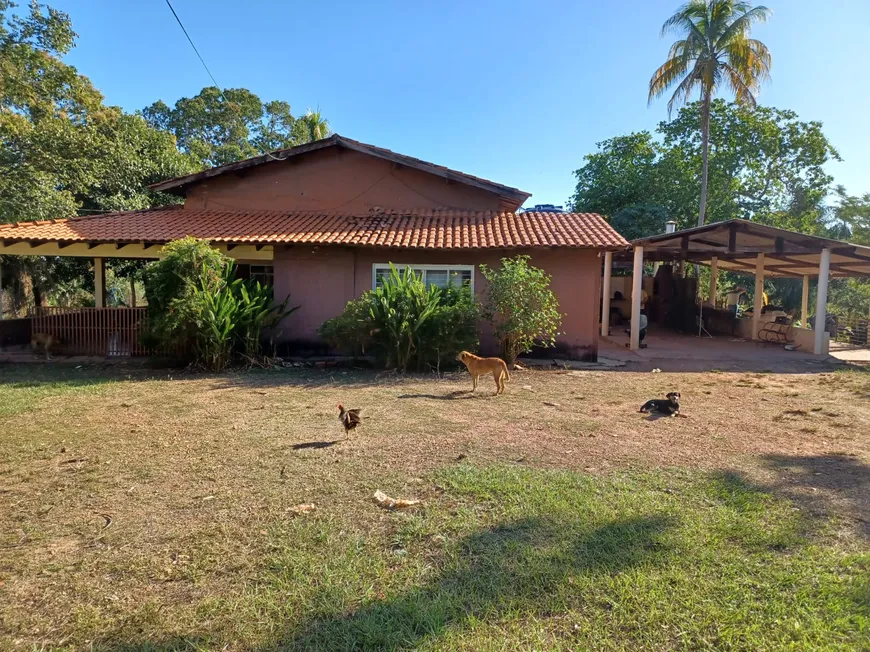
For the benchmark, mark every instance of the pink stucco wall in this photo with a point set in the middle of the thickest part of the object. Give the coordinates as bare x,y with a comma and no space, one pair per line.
338,180
323,279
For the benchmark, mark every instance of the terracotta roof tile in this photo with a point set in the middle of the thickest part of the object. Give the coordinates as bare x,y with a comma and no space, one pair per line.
414,229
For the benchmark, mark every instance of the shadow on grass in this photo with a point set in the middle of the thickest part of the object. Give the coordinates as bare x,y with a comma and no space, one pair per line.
821,486
497,571
68,375
462,394
81,374
316,378
825,484
655,416
315,444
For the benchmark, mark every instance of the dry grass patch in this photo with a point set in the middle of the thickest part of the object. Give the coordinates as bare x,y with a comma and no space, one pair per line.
141,507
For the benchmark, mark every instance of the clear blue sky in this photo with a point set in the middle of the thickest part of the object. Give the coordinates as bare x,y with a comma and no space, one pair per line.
517,92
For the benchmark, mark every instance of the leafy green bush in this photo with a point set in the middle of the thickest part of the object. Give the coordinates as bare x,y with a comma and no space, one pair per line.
453,327
211,314
521,307
169,287
405,324
351,332
399,309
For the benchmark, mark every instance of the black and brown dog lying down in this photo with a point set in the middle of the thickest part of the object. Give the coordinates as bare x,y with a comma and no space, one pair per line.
669,407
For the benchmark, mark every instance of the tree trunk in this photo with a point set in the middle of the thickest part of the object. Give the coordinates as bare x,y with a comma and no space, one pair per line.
705,154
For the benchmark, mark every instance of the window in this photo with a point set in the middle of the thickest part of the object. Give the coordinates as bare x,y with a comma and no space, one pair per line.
265,274
440,275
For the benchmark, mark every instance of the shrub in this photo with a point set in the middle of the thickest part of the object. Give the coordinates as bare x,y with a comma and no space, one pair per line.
405,324
521,307
212,313
399,309
169,287
452,328
351,331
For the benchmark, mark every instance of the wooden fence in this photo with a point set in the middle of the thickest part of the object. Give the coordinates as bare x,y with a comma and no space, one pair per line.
853,330
94,331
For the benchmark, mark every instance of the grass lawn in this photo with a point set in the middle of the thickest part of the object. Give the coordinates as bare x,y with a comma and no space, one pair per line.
140,511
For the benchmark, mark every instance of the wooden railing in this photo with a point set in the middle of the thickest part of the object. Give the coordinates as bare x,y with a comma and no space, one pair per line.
93,331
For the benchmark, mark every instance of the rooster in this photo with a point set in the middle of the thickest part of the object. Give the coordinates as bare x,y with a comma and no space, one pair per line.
350,419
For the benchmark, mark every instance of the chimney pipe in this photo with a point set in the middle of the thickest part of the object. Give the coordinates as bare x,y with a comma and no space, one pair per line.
670,226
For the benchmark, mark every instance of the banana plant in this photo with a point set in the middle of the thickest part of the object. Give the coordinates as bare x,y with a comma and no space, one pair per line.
399,308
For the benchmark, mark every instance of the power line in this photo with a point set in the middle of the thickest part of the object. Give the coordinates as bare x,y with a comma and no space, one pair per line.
214,81
190,40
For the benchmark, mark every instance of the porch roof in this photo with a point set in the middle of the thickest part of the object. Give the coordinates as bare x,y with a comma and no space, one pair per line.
737,243
413,229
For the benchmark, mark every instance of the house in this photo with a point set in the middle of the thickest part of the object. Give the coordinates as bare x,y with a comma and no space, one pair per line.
324,220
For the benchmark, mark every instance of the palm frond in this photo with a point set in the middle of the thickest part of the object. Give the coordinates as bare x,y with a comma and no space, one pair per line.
750,59
715,50
684,89
740,26
685,19
666,75
762,57
743,93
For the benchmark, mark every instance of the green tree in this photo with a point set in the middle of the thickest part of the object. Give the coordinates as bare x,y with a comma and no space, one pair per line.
851,217
623,172
218,127
315,125
34,82
765,164
715,50
170,284
851,221
521,306
62,151
639,221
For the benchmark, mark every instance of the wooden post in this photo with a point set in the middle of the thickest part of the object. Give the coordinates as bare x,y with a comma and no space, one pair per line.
759,296
132,292
636,288
805,303
714,279
822,302
99,282
605,291
1,289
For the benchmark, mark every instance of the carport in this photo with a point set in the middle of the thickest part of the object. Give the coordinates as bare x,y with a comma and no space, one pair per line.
749,247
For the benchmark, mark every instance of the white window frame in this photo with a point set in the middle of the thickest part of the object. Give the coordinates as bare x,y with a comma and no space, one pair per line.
421,268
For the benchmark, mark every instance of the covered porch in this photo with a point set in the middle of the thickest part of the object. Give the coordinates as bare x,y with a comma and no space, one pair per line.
757,249
105,328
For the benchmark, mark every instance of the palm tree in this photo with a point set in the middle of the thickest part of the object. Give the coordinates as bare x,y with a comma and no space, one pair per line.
318,126
715,51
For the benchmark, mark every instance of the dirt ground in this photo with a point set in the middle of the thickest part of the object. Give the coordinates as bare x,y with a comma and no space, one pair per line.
108,474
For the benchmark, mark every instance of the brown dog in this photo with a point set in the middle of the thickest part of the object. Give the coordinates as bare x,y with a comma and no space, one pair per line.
45,340
478,367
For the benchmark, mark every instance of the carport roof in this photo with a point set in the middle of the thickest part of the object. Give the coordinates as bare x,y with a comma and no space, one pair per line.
737,243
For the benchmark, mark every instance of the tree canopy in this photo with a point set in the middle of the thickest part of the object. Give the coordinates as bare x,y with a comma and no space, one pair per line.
851,217
218,127
765,165
714,51
64,152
